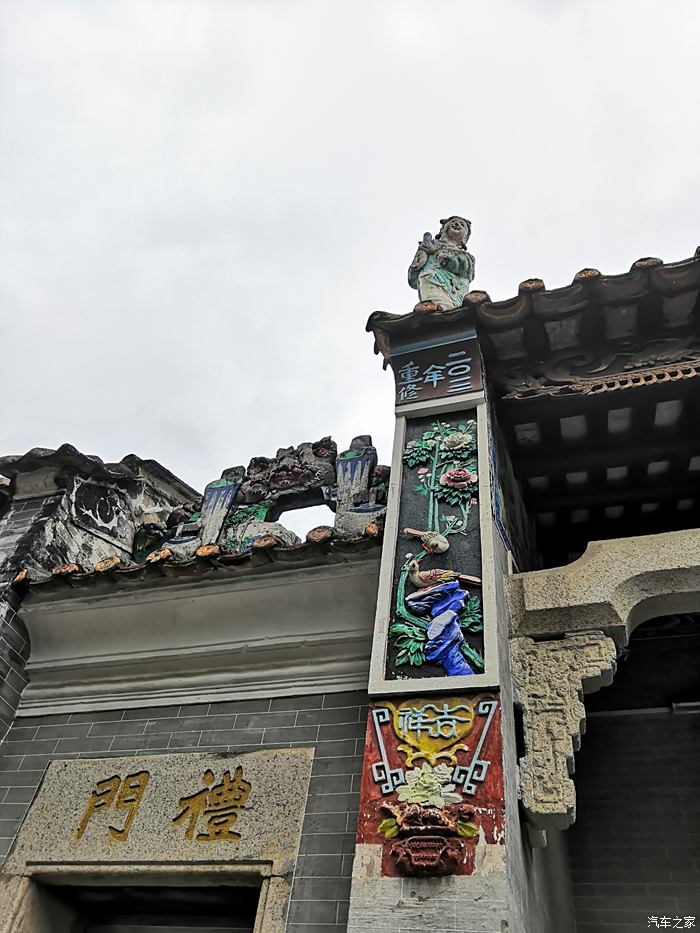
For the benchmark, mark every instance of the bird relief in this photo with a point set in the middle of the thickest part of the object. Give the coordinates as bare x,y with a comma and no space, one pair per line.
435,606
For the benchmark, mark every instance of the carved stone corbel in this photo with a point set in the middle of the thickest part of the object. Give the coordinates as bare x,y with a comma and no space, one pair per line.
550,678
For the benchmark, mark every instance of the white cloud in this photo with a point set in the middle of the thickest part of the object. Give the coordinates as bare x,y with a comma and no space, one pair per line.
201,202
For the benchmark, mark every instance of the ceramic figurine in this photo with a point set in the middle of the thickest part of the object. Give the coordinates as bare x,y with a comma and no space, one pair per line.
432,541
441,604
442,269
421,578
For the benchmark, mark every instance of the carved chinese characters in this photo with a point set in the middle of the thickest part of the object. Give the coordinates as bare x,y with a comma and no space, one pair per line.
432,784
436,625
203,817
437,372
214,809
114,792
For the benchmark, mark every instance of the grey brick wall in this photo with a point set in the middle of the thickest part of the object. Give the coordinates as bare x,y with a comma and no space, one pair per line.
334,723
15,526
16,522
14,651
635,847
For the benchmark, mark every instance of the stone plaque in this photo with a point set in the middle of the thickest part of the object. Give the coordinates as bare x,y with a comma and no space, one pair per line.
425,373
168,808
432,782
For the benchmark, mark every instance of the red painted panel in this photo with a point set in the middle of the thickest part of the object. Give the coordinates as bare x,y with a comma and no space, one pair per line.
432,782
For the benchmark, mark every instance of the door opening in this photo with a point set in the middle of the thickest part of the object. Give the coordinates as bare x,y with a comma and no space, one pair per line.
129,908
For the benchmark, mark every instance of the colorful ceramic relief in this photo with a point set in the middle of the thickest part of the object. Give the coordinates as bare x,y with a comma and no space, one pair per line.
432,784
437,625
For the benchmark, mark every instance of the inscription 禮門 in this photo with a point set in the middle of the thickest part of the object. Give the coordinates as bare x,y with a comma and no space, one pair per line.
217,805
121,794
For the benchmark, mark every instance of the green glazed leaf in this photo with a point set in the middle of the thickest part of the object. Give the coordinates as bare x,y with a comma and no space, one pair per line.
388,827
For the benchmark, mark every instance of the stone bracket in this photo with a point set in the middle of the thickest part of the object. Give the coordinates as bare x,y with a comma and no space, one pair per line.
550,678
614,587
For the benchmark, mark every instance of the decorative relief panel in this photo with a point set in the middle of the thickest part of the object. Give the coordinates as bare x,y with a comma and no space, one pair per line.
432,782
624,365
436,627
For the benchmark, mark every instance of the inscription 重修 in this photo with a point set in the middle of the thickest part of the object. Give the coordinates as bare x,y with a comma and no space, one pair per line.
458,373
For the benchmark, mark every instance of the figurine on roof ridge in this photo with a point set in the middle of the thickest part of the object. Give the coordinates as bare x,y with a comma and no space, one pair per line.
442,269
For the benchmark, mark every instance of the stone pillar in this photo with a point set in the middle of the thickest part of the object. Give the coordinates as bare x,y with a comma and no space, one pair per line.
439,843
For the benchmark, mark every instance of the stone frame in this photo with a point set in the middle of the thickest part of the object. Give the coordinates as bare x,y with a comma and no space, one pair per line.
379,685
74,851
18,902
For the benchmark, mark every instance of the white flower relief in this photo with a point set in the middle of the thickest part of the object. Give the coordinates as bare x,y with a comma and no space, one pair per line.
431,787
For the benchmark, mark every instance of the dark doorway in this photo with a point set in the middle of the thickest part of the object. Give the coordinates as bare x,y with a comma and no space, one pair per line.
158,909
634,849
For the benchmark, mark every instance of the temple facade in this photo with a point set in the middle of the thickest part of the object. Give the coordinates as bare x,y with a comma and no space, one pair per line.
469,704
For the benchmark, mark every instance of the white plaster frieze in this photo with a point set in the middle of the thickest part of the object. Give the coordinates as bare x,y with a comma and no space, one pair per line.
294,632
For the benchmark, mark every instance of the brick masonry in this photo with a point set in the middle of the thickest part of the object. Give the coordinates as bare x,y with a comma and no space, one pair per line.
14,651
635,846
15,526
333,723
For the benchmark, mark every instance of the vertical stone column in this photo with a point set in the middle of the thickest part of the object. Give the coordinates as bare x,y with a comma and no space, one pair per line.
439,844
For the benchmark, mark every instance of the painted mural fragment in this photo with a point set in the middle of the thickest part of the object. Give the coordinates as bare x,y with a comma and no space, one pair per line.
437,622
432,784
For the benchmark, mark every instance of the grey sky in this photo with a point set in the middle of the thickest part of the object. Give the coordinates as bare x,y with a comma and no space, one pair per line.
201,202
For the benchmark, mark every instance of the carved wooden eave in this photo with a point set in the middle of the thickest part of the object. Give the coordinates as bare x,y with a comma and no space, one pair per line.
596,395
567,625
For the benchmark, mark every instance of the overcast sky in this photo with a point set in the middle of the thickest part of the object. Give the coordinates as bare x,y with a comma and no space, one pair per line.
201,201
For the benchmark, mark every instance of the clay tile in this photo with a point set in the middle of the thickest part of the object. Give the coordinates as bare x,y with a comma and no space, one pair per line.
373,530
646,262
586,274
108,563
66,570
476,298
319,535
531,285
21,576
155,556
208,550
